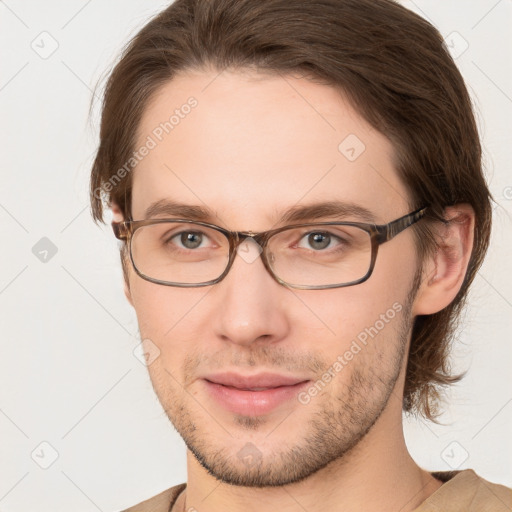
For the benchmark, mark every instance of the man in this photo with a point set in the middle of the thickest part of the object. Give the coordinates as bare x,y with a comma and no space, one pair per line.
299,192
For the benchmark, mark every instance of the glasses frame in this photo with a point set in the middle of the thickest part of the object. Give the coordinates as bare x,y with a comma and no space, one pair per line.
379,234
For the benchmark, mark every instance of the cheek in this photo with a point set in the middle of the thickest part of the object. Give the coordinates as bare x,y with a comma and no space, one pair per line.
166,313
151,307
344,313
362,313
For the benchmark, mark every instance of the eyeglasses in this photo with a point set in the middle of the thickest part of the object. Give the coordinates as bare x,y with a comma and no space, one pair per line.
311,256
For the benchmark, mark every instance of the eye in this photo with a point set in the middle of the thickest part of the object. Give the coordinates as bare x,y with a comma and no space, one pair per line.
318,240
189,239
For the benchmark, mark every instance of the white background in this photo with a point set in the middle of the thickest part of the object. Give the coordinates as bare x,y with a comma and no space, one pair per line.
69,376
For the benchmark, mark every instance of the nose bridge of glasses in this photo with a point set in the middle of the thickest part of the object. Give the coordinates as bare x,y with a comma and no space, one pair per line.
248,245
239,237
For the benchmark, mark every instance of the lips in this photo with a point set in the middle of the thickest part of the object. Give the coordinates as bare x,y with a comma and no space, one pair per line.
253,395
257,382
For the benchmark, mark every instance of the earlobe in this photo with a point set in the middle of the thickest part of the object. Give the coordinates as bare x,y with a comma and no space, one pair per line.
444,271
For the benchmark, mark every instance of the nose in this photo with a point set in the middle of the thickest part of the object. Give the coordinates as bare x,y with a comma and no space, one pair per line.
250,305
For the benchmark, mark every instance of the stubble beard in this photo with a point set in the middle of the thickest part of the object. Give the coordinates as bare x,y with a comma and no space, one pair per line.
335,427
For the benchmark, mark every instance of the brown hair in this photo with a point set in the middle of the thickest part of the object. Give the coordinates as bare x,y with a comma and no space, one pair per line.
389,62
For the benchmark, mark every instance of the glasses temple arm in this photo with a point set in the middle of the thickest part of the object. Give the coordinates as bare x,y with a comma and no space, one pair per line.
120,229
388,231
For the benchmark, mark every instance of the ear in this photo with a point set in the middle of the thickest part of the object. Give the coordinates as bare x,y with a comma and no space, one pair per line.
117,216
444,271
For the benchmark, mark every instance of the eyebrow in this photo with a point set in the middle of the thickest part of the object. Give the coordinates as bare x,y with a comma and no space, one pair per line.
296,214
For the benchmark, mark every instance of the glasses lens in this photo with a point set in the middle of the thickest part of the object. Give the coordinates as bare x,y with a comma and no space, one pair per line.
179,252
320,255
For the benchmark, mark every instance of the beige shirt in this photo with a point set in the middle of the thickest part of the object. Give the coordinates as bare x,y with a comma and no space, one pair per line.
463,491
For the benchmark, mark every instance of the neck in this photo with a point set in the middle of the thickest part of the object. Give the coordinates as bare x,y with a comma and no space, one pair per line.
378,474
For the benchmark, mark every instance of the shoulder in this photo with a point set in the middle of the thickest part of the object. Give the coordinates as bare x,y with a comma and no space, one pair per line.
468,492
160,503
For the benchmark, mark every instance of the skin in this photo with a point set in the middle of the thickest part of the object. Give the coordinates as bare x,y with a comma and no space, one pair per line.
254,146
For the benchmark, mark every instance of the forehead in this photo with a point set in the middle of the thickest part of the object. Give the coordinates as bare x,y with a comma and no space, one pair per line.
248,146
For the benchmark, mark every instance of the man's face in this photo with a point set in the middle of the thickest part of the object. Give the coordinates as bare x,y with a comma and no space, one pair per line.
251,148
